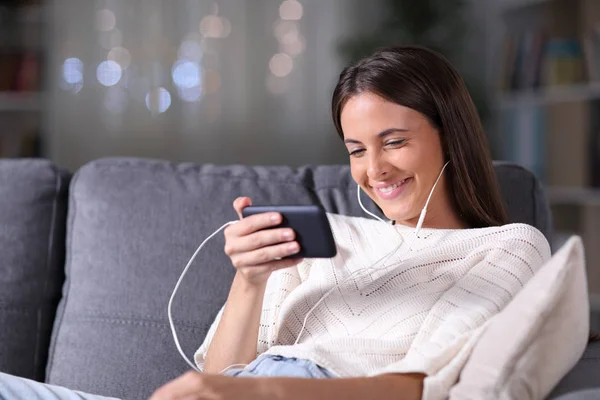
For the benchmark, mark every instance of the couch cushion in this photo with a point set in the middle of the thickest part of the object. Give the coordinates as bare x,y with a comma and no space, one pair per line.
133,224
531,344
33,208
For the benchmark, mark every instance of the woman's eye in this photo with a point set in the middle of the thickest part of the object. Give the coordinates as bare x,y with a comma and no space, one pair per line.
357,152
395,143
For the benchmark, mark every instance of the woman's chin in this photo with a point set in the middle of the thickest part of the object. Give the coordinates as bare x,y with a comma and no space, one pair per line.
404,218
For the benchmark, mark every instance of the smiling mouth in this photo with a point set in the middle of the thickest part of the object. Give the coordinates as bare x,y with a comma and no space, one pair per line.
389,189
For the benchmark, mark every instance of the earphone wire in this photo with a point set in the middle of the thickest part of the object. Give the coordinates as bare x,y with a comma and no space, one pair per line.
171,324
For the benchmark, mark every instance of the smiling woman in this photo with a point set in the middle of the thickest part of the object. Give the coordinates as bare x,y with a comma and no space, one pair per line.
403,113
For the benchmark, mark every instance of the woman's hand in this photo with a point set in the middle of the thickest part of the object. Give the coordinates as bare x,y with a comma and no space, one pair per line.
196,386
256,251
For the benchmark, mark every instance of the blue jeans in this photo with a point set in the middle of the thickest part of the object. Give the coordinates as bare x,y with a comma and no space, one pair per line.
269,365
15,388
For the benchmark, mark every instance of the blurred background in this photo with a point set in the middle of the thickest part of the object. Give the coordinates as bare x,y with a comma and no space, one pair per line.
250,82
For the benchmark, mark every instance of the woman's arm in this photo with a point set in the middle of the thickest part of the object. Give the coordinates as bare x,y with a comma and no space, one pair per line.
255,251
197,386
382,387
237,334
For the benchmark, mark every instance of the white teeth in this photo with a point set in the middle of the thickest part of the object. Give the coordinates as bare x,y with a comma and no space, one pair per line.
388,189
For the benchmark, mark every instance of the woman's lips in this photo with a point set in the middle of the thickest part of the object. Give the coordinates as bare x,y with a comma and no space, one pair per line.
396,192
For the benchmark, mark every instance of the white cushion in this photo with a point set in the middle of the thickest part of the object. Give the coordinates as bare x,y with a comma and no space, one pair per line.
528,347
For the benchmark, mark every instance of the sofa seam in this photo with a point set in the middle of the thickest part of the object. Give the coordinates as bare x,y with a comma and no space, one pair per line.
49,253
67,284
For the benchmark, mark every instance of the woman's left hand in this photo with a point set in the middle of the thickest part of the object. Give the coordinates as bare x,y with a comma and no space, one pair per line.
196,386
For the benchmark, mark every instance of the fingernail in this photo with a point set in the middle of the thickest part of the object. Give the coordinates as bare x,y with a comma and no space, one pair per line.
293,246
287,235
274,217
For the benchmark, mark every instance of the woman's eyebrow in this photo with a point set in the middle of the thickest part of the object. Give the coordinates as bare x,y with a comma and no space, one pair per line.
380,134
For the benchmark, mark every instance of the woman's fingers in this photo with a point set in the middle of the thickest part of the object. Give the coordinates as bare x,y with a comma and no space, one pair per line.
264,255
259,239
252,224
240,203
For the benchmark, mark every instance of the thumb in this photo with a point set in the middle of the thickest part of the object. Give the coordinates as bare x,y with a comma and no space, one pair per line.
240,203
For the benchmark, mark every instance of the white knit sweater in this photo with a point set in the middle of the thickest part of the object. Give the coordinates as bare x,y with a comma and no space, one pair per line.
420,311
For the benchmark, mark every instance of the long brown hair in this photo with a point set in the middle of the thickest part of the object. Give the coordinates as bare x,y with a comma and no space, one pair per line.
425,81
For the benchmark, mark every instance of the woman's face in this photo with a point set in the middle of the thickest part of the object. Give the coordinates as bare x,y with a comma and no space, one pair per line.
395,156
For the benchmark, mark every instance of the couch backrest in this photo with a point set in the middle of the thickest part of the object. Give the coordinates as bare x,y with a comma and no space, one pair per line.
33,208
132,226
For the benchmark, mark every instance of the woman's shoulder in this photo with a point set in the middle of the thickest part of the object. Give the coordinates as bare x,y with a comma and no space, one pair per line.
518,236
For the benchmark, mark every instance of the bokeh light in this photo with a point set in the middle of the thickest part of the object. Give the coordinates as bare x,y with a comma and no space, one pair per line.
158,100
290,10
213,26
72,70
121,56
286,31
281,64
293,48
105,20
190,50
190,95
186,74
108,73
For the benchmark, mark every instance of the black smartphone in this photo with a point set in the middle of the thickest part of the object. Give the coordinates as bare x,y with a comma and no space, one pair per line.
310,223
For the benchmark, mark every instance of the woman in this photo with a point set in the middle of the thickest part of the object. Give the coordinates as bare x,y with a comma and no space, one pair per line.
396,312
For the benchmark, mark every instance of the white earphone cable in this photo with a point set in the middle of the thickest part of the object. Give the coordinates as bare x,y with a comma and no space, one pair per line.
191,364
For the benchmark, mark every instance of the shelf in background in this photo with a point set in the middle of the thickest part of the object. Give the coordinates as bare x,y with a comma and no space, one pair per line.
551,95
19,101
573,195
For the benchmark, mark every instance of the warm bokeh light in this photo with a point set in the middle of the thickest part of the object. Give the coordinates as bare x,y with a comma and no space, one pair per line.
293,48
290,10
105,20
120,55
213,26
286,31
281,65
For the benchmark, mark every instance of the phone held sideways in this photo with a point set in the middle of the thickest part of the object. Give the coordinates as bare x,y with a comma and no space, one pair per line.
310,224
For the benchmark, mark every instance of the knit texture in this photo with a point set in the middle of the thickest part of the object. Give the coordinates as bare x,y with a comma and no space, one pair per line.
418,304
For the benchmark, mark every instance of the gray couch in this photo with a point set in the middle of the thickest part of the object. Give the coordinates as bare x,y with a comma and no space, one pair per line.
88,262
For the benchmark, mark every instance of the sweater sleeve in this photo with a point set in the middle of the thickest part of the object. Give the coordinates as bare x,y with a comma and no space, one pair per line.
279,286
451,329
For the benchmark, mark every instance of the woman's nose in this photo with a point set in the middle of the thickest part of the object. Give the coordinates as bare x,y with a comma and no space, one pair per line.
378,167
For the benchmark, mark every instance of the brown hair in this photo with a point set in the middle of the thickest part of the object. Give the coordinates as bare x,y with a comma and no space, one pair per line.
425,81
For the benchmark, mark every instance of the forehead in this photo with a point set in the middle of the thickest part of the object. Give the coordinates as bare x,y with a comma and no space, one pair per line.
367,111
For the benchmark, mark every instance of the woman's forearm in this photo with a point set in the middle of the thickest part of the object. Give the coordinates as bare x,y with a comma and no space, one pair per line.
236,336
383,387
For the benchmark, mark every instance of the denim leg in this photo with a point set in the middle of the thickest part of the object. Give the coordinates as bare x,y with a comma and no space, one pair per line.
16,388
269,365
